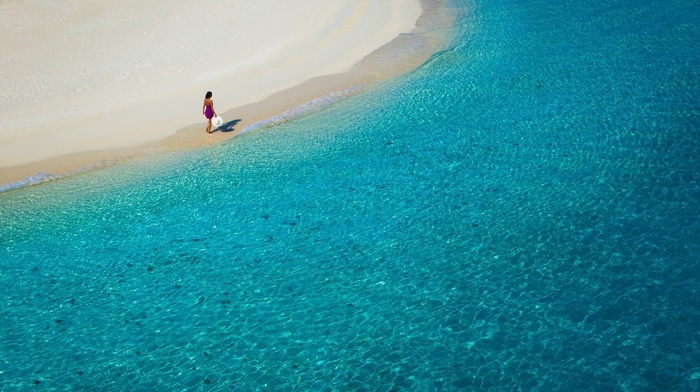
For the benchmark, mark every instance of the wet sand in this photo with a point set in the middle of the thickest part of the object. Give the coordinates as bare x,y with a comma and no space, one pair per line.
281,88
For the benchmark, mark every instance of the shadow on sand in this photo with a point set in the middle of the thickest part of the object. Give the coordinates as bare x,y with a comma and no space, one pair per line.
227,127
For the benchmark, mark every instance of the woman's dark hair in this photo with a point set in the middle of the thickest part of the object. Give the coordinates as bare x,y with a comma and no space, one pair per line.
208,94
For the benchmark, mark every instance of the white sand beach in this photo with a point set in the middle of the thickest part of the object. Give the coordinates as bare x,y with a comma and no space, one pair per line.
85,82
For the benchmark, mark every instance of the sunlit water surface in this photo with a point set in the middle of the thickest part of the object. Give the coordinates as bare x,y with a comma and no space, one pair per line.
519,213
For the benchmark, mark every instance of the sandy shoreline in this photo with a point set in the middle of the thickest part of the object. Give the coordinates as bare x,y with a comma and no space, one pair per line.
400,54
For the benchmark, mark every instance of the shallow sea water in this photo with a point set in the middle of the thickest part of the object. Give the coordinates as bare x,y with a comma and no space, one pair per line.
520,213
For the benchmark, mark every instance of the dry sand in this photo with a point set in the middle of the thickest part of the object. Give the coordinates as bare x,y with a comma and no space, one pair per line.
96,82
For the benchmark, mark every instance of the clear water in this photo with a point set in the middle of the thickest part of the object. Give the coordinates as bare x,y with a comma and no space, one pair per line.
520,213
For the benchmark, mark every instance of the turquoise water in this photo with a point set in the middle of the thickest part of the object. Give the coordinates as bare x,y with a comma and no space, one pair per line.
522,212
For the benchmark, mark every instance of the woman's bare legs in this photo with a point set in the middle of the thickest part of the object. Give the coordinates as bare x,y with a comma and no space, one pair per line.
209,126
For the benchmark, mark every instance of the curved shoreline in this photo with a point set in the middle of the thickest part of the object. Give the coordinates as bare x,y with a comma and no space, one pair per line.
403,54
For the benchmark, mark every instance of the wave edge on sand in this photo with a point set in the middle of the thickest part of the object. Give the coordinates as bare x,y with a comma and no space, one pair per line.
404,53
